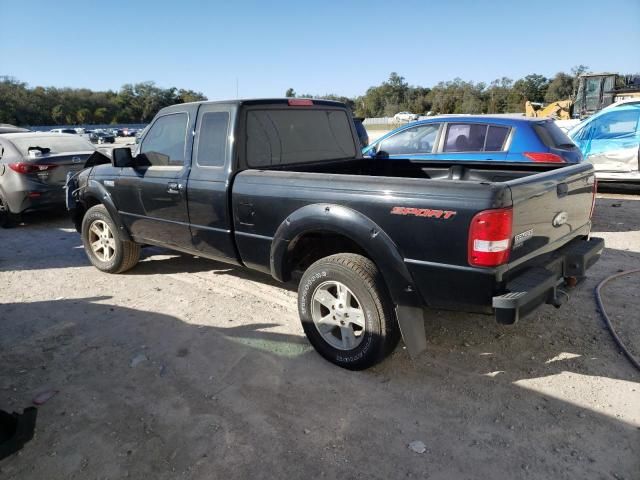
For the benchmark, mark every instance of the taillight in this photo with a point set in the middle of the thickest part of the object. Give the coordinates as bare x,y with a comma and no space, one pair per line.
490,237
544,157
593,199
300,102
24,168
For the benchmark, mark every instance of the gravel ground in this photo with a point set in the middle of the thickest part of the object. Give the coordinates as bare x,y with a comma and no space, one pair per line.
187,368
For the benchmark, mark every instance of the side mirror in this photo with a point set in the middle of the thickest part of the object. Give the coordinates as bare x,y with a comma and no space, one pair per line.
372,152
122,157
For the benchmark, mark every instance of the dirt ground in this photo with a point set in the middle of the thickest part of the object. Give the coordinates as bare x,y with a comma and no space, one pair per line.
187,368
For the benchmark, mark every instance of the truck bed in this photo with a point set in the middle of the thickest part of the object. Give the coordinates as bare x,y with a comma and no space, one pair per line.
407,200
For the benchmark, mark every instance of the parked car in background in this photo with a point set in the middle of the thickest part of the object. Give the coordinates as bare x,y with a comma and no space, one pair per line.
33,170
363,136
478,138
100,136
405,117
71,131
610,140
129,132
141,133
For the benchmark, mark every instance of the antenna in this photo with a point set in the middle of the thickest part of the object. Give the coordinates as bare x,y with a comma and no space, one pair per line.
237,88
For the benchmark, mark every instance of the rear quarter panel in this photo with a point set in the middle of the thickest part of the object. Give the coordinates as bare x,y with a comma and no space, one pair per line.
432,244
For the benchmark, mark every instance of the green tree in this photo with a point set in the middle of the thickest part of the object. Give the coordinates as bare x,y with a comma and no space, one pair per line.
560,88
57,114
532,87
83,115
100,114
290,92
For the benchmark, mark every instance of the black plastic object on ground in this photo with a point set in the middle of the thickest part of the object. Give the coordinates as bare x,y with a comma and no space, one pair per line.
16,430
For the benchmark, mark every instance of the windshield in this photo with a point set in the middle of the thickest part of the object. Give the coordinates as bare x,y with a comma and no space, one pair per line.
55,143
287,136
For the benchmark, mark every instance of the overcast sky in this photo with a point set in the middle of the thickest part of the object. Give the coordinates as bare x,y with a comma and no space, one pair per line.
340,47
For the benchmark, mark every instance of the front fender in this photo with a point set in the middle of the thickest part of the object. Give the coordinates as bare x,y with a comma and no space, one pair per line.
95,190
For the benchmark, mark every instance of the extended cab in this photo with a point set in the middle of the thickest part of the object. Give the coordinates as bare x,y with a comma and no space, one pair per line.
280,186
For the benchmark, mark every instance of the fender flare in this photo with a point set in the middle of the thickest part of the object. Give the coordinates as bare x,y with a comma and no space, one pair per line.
324,217
96,190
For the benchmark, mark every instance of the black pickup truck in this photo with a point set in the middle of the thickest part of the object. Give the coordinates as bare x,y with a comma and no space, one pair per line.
280,186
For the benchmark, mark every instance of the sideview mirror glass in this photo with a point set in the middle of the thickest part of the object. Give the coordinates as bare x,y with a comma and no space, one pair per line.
372,151
121,157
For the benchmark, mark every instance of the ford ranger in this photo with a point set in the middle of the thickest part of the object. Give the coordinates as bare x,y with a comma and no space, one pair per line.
280,186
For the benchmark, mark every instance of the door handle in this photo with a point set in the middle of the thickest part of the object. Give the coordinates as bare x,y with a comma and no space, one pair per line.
246,213
174,187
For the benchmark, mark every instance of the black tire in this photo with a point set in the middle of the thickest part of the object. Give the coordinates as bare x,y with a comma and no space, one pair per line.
7,218
360,275
126,254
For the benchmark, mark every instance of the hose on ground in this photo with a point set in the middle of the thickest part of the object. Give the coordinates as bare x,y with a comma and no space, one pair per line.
634,361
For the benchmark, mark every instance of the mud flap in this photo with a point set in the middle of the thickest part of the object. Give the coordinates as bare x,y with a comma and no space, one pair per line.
411,321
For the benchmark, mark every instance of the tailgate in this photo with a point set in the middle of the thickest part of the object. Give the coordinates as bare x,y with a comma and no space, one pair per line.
550,209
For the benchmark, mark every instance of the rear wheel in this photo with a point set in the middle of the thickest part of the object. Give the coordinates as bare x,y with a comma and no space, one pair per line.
346,311
106,250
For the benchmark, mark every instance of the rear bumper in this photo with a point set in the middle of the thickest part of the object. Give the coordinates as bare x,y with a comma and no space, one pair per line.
603,176
540,284
35,198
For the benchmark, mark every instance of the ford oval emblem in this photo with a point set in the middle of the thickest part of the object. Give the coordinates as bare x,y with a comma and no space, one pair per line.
560,219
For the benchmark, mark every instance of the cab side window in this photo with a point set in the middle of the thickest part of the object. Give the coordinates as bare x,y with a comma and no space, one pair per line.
164,144
212,139
412,141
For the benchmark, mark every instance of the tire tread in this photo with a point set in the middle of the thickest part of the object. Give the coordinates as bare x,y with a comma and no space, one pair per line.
368,273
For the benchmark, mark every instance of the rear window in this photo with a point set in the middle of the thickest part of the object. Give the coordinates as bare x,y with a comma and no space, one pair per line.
288,136
552,135
55,143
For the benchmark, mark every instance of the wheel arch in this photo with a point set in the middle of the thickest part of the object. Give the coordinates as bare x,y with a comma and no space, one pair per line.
96,194
364,234
349,228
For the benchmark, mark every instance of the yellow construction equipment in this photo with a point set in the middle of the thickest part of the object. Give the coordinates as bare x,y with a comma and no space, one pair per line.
595,91
560,110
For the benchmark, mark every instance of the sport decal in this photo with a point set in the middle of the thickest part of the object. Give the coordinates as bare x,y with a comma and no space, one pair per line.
423,212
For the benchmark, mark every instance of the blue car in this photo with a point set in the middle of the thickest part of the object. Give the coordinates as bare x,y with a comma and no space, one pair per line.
478,138
610,140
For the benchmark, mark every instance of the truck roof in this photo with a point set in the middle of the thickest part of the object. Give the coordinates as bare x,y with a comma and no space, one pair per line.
257,101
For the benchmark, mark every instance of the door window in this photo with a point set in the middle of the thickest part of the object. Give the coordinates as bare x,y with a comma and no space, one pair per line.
412,141
475,137
212,139
164,143
616,125
496,136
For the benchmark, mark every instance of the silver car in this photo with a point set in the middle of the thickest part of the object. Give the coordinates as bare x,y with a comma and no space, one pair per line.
33,170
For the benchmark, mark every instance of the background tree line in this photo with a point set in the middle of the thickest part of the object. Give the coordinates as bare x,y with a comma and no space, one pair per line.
137,103
503,95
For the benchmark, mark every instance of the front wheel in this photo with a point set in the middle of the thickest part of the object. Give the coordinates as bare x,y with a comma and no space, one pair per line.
103,245
346,311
